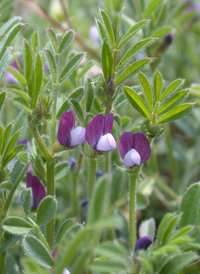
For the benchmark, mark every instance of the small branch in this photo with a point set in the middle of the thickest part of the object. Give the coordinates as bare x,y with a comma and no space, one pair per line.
56,24
65,13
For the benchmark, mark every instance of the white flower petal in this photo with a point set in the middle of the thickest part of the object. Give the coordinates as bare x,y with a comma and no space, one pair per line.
106,143
132,158
65,271
77,136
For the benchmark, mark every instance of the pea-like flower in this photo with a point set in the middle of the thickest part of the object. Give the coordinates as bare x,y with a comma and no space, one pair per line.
8,77
38,190
68,134
99,133
134,149
143,243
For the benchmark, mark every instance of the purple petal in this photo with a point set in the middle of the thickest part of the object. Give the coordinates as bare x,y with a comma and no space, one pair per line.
67,123
93,32
126,143
37,189
141,144
108,124
106,143
95,130
77,136
143,243
54,254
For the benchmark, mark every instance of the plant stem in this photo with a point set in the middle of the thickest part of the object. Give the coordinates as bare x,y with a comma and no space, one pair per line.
74,193
132,207
139,9
53,118
51,192
92,175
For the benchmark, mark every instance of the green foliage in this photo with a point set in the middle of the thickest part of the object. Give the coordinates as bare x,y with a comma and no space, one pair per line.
16,225
26,199
46,210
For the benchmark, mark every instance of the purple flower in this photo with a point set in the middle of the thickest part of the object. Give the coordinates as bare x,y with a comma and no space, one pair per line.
68,134
143,243
99,133
8,77
38,190
134,149
99,173
72,163
168,39
93,32
23,142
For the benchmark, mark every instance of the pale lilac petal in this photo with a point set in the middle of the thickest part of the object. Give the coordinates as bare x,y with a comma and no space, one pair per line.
65,271
141,144
106,143
143,243
132,158
10,79
126,143
93,32
67,123
77,136
108,124
95,130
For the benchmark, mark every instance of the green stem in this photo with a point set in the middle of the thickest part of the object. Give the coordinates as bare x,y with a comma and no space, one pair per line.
92,176
5,211
39,141
53,119
51,192
139,9
171,156
74,192
132,207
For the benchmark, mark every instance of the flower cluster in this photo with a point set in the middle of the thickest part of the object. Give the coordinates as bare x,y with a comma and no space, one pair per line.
134,148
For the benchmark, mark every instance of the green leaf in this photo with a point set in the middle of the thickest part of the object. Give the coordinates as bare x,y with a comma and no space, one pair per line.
147,90
173,101
10,240
133,51
16,171
147,228
9,24
46,210
63,228
26,200
65,107
77,94
98,201
66,41
89,94
108,266
71,66
142,201
166,219
6,185
136,102
161,32
36,41
108,27
190,206
52,64
38,79
81,262
178,263
78,110
158,85
172,87
185,230
21,93
131,31
11,155
176,113
17,75
37,251
32,267
132,70
107,61
2,98
10,35
102,32
6,137
85,69
53,39
151,7
11,143
28,61
16,225
113,221
169,229
111,249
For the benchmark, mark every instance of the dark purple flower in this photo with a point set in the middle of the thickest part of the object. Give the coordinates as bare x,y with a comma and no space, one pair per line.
143,243
93,32
38,190
134,149
68,134
85,204
72,163
168,39
99,133
23,142
8,77
99,173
